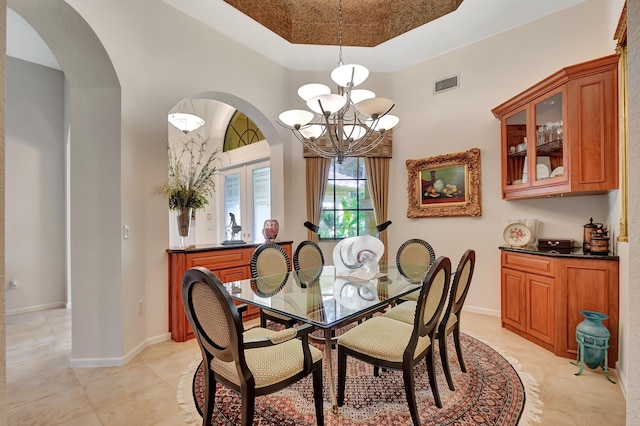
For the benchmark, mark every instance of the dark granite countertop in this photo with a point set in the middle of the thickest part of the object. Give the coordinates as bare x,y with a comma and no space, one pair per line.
576,252
218,246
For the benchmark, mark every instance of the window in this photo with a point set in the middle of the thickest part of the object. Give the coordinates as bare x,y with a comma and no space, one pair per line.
247,194
347,210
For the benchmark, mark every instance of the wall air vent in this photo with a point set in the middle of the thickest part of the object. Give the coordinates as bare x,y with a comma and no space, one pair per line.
445,84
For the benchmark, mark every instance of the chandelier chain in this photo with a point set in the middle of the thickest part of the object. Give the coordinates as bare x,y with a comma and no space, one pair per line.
340,35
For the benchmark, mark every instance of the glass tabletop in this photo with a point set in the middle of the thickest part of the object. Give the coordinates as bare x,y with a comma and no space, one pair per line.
317,296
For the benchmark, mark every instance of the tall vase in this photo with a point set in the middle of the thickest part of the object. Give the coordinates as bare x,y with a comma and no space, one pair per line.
592,327
270,229
184,220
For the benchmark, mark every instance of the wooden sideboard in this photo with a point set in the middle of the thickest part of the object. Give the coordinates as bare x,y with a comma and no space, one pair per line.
542,294
228,262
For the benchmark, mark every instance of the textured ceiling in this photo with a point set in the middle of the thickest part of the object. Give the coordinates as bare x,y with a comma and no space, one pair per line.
365,23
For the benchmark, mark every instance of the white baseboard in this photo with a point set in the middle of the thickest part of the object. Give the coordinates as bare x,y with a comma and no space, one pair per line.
484,311
36,308
118,361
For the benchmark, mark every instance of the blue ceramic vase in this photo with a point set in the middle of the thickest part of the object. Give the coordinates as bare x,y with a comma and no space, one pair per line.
592,327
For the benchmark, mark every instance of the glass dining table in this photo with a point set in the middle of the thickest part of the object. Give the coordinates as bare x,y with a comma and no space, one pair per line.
328,301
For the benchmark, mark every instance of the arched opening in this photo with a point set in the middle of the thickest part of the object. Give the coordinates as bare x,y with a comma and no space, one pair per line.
217,109
92,133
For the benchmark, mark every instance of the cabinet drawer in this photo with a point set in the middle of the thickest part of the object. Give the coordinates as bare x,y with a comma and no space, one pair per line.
529,263
220,259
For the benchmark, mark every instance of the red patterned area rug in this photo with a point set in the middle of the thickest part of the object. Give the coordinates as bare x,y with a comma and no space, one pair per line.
491,392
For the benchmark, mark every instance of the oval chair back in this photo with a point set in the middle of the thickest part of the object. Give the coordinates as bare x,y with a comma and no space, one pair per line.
413,259
213,317
450,321
432,298
270,266
308,262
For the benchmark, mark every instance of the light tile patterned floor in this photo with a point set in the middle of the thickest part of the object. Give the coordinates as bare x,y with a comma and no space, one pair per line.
43,390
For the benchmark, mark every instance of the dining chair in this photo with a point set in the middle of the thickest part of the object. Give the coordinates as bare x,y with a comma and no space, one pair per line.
308,262
392,344
450,321
270,266
253,362
413,259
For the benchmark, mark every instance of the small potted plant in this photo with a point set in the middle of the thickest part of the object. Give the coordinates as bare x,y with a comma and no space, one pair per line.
190,180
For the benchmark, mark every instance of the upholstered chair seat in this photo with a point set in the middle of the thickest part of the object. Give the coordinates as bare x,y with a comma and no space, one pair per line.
272,364
392,338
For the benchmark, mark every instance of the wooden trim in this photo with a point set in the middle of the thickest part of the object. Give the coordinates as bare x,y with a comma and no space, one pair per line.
621,50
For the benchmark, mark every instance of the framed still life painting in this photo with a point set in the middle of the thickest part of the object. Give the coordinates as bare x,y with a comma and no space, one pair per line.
445,185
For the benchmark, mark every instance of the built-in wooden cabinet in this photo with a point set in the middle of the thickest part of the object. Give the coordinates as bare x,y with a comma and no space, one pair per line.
560,136
528,297
229,263
542,294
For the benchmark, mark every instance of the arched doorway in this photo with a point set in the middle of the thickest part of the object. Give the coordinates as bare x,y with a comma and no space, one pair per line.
93,91
217,109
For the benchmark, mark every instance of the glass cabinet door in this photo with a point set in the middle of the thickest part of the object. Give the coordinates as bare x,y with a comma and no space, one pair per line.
549,141
516,148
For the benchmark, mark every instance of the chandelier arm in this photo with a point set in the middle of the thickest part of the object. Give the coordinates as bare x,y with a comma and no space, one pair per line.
387,112
311,146
358,152
365,141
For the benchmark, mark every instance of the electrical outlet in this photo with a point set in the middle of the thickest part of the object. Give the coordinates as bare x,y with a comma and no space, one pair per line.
140,307
13,284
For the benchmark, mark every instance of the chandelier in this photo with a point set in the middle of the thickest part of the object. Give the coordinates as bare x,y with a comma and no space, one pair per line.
353,121
184,121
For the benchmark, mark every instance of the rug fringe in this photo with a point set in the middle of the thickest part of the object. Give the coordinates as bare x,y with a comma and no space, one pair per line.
185,394
532,410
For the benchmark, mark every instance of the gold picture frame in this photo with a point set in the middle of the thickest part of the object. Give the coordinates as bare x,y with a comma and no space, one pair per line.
445,185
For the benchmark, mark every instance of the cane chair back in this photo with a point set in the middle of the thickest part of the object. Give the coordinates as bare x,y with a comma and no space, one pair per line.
270,266
450,322
308,262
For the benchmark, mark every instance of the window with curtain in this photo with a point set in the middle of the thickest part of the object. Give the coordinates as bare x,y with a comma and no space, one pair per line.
347,210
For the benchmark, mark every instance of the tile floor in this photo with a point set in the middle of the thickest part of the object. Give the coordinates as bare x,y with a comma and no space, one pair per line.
43,390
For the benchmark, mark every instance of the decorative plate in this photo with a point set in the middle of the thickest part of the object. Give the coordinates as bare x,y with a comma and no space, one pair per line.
542,171
558,171
517,234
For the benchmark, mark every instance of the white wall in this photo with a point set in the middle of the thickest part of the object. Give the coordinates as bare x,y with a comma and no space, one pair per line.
632,299
35,187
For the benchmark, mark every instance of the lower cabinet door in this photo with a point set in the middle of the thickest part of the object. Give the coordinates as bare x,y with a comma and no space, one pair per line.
540,308
513,298
233,274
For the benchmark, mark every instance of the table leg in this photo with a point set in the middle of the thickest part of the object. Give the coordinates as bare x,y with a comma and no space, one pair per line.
329,363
